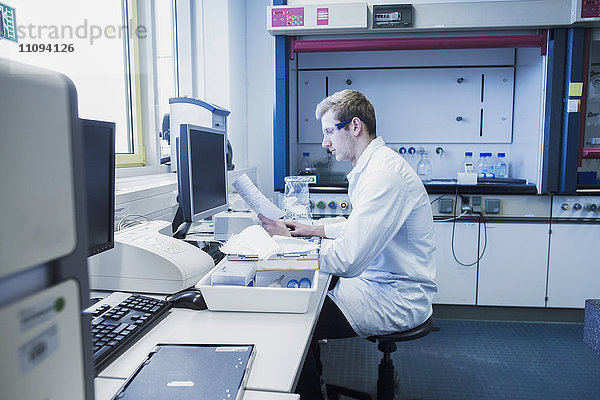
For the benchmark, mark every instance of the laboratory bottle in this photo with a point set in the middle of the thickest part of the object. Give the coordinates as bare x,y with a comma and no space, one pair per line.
501,168
424,168
468,164
480,167
485,169
492,167
489,166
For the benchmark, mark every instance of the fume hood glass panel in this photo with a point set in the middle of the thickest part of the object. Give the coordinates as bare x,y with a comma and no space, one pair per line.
457,284
441,105
312,88
589,171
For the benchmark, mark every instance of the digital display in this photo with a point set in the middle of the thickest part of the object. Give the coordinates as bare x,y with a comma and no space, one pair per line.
393,16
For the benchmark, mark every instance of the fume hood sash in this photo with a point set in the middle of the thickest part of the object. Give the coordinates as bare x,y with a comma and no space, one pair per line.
424,43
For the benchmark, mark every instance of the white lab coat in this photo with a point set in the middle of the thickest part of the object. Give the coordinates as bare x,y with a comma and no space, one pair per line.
384,252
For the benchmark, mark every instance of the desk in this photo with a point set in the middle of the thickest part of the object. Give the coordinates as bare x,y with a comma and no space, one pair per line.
106,389
281,342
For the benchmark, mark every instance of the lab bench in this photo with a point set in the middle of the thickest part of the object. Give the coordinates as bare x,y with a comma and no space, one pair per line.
281,341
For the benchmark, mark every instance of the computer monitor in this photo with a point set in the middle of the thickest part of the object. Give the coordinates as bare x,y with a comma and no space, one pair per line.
99,161
201,174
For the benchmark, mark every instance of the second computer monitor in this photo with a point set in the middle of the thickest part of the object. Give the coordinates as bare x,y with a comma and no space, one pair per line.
99,160
202,172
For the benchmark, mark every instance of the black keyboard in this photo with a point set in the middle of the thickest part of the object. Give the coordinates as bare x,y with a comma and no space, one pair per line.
119,320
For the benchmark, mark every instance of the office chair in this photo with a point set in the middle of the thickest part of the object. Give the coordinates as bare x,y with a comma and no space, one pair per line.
387,379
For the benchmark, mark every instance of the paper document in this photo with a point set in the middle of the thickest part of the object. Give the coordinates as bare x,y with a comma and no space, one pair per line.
255,241
252,241
294,245
255,199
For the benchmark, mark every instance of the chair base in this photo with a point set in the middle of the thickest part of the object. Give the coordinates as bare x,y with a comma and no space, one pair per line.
387,380
334,392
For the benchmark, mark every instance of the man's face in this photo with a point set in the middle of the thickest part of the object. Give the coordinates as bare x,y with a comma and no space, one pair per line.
341,142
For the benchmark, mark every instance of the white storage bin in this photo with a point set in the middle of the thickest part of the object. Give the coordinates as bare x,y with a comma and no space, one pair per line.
260,299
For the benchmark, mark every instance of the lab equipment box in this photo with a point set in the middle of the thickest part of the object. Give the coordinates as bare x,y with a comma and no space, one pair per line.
281,286
238,274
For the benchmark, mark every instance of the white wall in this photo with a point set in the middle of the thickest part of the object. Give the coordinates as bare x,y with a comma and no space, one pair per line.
221,66
260,64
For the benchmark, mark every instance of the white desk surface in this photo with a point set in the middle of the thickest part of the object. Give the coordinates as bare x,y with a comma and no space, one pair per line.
281,342
106,388
255,395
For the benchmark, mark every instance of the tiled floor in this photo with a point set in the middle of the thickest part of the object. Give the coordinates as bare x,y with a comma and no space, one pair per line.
476,360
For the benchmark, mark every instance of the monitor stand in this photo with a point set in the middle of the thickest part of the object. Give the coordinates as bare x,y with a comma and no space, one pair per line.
177,219
179,226
182,231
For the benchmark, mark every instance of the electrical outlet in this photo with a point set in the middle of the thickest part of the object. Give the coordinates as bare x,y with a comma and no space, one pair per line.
465,203
476,203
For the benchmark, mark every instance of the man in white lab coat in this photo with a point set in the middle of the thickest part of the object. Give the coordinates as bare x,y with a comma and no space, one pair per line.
384,252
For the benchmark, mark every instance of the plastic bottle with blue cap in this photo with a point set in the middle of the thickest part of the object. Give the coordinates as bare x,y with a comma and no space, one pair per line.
292,283
468,164
501,168
305,283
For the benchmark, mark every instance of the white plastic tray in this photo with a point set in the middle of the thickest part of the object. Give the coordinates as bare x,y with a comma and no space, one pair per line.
258,299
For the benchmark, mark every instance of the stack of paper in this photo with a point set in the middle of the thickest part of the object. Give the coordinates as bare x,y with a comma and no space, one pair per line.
255,241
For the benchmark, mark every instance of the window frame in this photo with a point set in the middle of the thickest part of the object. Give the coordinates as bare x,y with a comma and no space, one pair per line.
131,53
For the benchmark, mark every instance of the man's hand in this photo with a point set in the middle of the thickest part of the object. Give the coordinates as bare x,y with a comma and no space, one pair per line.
290,228
298,229
274,227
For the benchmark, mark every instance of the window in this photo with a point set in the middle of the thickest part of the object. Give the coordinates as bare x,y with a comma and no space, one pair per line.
94,43
164,64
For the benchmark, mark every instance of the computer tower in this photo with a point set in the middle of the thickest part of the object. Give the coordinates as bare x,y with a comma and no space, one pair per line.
45,342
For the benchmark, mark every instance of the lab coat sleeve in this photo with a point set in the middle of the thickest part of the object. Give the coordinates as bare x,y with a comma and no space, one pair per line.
382,205
333,231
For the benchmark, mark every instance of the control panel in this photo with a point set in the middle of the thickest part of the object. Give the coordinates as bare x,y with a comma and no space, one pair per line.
291,16
325,204
329,204
590,8
314,18
576,207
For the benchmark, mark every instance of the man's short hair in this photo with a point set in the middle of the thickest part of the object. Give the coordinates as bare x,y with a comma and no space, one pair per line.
347,104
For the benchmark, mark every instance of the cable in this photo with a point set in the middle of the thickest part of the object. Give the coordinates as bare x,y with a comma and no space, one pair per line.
479,255
451,219
122,225
481,219
436,199
454,218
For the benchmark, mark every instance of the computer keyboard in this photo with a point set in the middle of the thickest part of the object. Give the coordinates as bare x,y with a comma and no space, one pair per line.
119,320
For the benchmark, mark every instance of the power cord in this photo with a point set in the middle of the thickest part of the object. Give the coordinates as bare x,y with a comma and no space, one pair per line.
481,219
437,198
131,220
